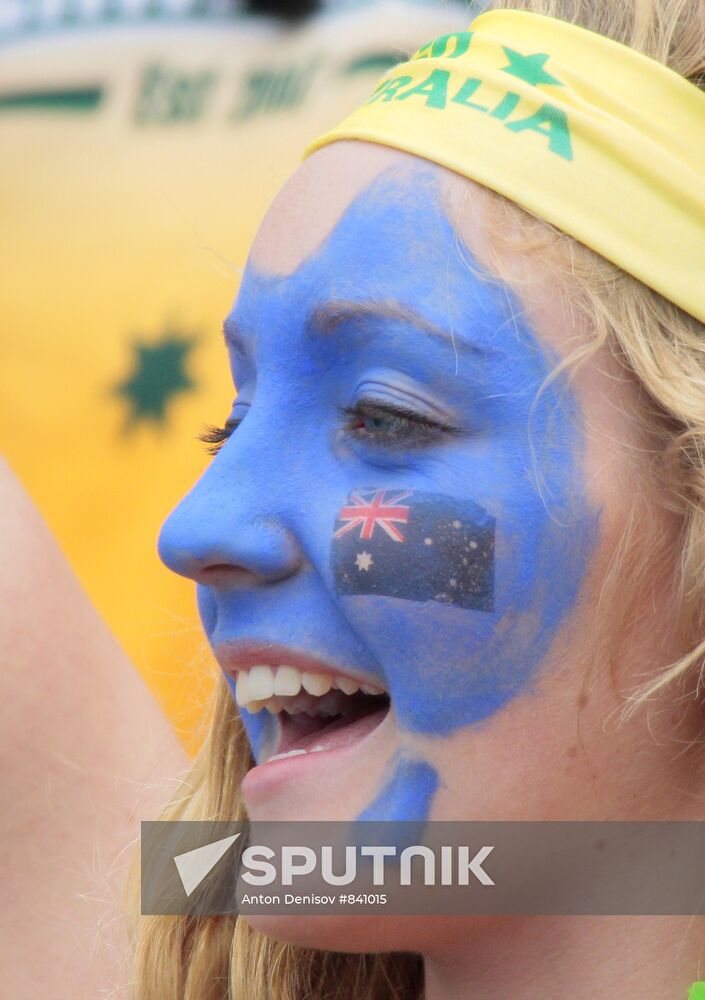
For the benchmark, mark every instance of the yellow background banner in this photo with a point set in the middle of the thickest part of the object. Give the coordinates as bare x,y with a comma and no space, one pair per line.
138,155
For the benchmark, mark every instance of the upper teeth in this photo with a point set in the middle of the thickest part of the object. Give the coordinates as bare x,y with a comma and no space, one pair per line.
264,687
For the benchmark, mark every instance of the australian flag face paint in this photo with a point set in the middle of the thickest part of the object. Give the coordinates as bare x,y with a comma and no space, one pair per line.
415,546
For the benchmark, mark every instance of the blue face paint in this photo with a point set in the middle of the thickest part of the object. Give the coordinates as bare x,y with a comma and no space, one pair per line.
385,363
407,795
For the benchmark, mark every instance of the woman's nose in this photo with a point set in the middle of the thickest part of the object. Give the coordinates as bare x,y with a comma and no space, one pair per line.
226,534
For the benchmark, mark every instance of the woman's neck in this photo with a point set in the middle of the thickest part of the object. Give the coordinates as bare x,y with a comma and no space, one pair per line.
584,958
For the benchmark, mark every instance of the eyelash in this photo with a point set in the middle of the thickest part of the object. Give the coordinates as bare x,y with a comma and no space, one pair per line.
407,426
215,437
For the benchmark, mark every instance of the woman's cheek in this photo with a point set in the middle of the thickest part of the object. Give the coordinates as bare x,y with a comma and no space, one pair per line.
459,601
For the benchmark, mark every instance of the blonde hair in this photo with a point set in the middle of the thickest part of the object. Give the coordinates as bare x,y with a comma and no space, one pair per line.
663,349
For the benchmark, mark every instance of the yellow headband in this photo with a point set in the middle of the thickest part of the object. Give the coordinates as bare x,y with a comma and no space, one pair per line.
601,141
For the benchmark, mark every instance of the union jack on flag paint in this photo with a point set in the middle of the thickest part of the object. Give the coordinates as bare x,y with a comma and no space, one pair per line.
379,511
415,546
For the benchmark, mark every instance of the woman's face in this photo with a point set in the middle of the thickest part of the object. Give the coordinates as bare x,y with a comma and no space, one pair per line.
406,503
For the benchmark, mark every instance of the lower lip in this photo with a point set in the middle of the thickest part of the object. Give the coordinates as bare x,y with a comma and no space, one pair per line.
264,779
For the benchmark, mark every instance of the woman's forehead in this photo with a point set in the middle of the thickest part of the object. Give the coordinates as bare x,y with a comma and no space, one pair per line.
359,220
371,230
314,200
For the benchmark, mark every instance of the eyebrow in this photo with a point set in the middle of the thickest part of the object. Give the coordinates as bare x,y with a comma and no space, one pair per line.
329,316
326,319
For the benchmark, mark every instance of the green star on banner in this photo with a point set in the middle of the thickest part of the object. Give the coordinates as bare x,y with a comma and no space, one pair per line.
529,68
158,374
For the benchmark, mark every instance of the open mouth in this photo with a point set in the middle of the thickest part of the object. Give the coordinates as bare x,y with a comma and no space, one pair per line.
316,711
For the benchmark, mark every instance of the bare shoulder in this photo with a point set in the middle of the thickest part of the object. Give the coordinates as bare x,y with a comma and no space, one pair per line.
86,754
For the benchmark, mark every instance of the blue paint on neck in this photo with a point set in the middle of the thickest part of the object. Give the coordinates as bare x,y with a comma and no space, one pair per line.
407,795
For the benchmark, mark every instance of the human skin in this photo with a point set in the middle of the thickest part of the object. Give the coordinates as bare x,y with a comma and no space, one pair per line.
87,753
500,714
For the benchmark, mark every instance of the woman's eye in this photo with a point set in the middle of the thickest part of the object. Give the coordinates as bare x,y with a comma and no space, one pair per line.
389,425
367,421
215,437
